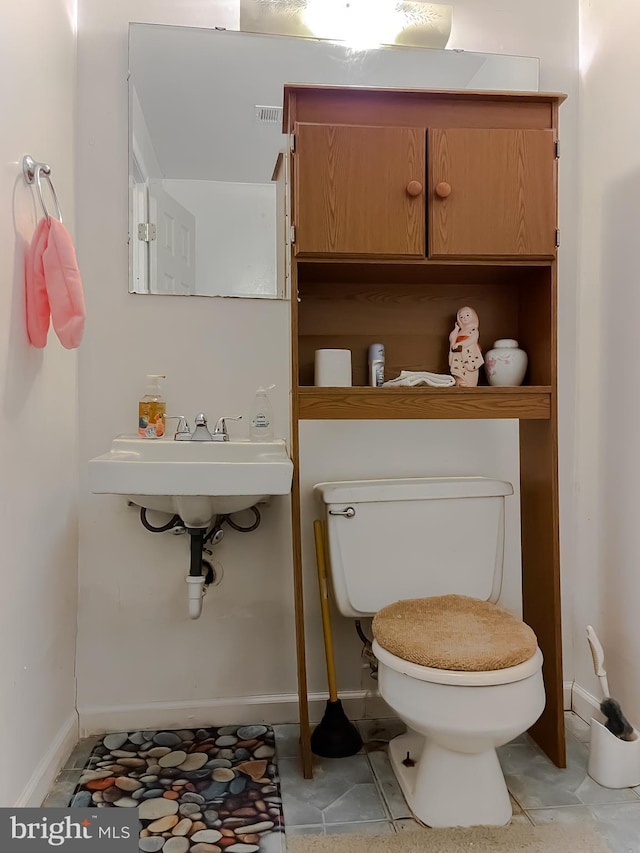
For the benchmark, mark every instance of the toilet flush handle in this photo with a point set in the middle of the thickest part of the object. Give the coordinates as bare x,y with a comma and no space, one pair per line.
348,512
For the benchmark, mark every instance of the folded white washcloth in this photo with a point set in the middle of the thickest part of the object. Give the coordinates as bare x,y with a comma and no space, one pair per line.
421,377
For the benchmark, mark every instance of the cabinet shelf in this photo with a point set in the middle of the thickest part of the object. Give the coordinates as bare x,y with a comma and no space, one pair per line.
524,403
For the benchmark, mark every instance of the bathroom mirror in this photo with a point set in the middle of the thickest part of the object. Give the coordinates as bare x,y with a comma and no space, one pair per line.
205,131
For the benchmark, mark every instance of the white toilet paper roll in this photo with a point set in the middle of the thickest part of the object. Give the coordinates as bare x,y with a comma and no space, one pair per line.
333,368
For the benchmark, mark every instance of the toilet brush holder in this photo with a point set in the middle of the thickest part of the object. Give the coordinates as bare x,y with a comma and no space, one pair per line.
613,763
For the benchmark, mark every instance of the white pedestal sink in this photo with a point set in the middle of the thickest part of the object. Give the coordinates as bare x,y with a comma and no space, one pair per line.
197,480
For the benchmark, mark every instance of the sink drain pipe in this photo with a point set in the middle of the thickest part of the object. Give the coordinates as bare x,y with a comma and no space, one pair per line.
195,579
201,571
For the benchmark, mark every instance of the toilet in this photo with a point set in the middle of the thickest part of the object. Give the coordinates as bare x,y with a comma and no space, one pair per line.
424,557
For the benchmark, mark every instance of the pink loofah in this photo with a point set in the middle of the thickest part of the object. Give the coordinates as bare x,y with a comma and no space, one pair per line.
54,286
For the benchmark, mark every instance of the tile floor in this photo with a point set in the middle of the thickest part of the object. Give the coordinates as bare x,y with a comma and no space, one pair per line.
360,794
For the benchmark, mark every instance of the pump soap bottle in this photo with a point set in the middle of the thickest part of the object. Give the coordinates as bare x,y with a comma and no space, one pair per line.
152,409
261,417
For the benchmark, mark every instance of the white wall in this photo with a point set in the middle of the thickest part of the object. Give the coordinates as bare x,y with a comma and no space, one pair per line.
140,660
138,654
344,450
38,416
608,534
235,245
549,30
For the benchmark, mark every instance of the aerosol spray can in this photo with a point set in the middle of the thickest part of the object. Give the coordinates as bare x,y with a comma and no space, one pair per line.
376,365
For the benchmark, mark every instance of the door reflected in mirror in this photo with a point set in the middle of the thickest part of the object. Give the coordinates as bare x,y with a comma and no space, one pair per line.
207,217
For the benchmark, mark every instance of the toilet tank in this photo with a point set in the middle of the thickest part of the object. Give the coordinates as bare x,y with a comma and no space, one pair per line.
413,538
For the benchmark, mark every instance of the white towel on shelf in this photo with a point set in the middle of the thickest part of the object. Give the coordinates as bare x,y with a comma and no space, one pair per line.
421,377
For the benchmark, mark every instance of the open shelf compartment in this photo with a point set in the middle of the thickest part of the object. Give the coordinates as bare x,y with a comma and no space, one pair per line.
411,308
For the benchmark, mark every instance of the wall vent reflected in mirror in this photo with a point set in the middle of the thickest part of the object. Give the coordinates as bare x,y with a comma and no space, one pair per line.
205,133
269,115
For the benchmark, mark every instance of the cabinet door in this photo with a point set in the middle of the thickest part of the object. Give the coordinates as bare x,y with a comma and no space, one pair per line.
359,190
492,192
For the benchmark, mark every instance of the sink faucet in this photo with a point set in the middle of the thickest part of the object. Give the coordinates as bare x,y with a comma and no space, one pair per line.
201,431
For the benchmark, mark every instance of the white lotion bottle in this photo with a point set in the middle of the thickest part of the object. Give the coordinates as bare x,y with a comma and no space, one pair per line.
261,416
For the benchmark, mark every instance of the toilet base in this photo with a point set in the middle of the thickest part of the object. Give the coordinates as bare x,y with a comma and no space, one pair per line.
446,788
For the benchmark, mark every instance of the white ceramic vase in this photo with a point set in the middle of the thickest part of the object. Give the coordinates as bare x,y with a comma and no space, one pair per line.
505,364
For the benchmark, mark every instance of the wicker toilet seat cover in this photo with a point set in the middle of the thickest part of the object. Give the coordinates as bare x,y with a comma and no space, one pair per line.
454,632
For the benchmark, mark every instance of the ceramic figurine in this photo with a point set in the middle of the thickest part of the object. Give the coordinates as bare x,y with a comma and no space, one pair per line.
506,364
465,355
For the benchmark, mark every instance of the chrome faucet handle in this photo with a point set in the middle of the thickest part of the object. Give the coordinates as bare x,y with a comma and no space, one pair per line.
183,431
220,430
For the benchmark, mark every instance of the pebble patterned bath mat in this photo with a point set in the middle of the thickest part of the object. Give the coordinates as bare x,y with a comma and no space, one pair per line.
212,790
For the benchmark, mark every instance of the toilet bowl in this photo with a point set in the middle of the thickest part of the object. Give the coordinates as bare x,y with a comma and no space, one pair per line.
424,556
455,720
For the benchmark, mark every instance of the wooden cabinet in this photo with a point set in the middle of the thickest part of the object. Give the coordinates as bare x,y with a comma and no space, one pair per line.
364,191
407,205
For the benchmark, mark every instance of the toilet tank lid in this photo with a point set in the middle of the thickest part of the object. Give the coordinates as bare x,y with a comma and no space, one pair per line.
411,489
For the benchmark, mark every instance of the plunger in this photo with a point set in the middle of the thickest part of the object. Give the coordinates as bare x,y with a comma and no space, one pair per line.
334,736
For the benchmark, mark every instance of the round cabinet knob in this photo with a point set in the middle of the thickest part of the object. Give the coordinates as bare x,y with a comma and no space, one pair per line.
443,189
414,188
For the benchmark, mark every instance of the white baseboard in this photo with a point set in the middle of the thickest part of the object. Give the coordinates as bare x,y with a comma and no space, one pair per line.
585,704
49,766
270,709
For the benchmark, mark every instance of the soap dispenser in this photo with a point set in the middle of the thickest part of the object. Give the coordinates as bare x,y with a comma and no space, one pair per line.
152,409
261,417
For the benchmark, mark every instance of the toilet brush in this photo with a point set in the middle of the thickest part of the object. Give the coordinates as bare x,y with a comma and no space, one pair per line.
334,736
616,722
